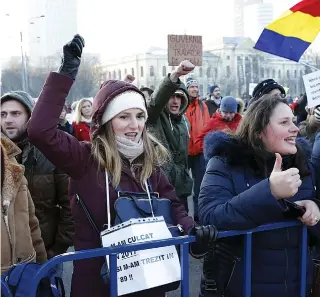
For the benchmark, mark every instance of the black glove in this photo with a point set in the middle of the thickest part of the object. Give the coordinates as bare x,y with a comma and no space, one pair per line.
71,57
205,239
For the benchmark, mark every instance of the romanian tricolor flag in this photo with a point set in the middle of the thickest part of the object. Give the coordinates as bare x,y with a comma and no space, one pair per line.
291,34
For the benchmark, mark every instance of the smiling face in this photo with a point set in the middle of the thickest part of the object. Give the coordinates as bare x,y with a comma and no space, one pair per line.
14,117
193,90
279,136
129,124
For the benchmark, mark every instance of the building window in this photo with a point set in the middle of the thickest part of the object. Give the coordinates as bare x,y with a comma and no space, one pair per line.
228,71
109,75
295,73
288,74
164,71
151,71
228,57
279,74
301,73
119,74
209,72
125,72
268,72
201,89
262,72
200,72
273,73
215,73
114,75
132,71
141,71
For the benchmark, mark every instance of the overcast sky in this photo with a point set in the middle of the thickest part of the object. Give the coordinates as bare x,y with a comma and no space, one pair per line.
118,28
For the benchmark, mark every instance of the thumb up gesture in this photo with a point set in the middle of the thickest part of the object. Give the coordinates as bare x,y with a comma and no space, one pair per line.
284,184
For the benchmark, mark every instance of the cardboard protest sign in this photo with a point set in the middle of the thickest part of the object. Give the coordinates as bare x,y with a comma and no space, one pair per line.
136,270
184,47
312,85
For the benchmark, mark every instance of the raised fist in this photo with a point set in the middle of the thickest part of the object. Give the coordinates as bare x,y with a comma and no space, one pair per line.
129,78
184,68
72,52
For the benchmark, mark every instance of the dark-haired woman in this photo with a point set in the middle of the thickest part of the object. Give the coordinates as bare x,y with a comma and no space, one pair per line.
247,179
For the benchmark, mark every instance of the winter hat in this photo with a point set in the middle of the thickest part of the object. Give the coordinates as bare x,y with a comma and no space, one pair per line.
229,104
191,81
212,88
124,101
265,87
109,90
22,97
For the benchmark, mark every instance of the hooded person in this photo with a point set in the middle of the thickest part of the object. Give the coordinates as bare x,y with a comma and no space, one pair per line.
121,154
21,240
213,102
167,122
198,115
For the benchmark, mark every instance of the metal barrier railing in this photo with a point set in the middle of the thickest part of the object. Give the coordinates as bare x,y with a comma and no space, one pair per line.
184,242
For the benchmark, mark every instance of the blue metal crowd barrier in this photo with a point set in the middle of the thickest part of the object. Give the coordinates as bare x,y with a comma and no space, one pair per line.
184,242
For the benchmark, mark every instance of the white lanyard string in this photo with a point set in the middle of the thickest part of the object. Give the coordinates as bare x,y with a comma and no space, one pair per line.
149,196
108,200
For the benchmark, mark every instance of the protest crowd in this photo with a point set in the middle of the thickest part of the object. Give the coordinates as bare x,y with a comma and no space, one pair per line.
130,153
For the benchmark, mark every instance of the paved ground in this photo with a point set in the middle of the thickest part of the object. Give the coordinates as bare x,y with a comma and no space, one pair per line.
194,272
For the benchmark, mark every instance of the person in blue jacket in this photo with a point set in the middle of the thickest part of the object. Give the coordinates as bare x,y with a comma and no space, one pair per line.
249,174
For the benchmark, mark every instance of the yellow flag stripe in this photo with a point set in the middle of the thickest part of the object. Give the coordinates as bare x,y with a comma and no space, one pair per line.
297,24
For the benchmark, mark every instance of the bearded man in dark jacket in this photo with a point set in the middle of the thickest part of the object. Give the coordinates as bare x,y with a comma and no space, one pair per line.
47,185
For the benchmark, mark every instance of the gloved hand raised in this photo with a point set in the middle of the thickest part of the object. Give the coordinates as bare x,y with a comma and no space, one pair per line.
205,238
72,52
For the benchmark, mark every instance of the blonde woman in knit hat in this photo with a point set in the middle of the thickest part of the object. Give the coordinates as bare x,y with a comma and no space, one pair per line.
82,122
120,146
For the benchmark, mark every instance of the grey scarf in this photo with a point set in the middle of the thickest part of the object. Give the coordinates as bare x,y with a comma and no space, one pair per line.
131,150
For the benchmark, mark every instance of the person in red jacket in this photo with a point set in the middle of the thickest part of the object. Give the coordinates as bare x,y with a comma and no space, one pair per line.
82,123
226,119
198,115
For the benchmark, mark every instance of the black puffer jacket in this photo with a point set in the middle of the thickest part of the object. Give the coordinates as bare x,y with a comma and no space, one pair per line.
49,191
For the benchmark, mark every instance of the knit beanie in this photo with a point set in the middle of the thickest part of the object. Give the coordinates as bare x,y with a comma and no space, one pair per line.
212,88
265,87
191,81
229,104
22,97
124,101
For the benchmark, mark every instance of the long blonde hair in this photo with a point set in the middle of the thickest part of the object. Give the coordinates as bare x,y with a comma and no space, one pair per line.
78,113
105,152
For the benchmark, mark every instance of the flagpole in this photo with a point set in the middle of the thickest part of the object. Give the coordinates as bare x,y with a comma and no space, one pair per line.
306,64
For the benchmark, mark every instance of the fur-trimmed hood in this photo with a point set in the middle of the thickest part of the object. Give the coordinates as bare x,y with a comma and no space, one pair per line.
219,143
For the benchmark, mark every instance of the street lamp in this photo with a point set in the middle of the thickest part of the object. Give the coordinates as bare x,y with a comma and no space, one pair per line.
23,65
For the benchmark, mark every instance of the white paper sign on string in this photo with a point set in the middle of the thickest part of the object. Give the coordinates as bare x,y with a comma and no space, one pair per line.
145,269
312,85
